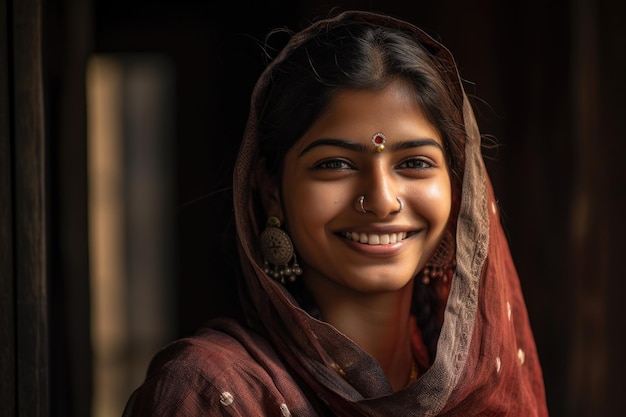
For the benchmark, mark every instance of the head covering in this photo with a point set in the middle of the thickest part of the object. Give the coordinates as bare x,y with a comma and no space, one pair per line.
486,361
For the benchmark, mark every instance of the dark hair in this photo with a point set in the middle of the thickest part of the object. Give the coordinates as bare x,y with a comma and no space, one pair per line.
356,56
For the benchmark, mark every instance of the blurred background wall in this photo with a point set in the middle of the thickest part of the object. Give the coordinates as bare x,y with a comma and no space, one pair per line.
143,104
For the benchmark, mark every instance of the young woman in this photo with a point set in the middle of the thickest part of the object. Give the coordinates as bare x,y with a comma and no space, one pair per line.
375,276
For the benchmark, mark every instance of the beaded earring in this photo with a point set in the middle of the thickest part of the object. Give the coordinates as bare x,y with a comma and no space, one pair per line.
443,262
278,252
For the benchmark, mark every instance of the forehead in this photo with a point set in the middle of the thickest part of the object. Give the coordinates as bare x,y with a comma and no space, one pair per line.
356,115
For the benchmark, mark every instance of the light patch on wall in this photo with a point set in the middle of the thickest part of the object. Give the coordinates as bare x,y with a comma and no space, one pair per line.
131,220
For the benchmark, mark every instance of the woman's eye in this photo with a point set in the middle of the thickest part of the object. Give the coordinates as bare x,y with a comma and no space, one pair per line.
333,164
416,163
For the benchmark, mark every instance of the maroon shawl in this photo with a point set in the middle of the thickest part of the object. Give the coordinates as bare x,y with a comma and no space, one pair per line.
284,361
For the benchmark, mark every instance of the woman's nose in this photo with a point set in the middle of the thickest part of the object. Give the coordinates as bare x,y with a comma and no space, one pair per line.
381,193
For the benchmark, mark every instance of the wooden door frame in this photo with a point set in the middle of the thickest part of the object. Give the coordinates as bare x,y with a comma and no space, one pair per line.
23,229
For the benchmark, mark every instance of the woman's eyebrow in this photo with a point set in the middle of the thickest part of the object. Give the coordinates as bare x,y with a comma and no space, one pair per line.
399,146
353,146
359,147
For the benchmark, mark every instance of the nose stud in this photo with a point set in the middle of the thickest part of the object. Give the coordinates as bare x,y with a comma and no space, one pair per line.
360,204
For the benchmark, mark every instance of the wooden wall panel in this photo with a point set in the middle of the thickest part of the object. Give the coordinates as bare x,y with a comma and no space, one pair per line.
23,180
30,211
7,282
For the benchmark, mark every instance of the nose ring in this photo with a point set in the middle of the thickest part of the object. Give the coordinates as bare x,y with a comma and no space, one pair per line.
360,202
401,202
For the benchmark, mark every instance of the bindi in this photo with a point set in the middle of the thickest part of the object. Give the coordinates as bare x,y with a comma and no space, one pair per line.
379,141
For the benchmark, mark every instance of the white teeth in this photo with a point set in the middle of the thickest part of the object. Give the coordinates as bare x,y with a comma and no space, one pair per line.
375,239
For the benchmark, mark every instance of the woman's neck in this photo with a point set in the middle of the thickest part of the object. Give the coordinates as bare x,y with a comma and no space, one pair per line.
378,323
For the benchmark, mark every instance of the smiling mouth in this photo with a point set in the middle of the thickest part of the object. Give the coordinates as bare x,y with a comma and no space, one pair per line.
374,238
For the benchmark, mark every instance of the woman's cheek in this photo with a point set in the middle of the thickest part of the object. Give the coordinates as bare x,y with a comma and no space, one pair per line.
437,198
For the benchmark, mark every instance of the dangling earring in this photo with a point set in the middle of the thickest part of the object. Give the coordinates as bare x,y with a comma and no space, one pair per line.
443,262
277,250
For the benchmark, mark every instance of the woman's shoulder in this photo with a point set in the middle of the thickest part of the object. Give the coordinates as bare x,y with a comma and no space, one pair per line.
224,369
221,340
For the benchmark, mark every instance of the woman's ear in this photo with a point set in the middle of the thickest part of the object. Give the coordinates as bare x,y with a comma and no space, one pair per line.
269,191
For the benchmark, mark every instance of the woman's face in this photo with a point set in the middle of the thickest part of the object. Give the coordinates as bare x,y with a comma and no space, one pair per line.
335,163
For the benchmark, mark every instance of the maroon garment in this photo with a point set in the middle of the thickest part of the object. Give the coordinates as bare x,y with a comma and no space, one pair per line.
486,362
224,370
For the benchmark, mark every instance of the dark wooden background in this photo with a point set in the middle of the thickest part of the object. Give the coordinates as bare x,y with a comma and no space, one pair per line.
551,79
